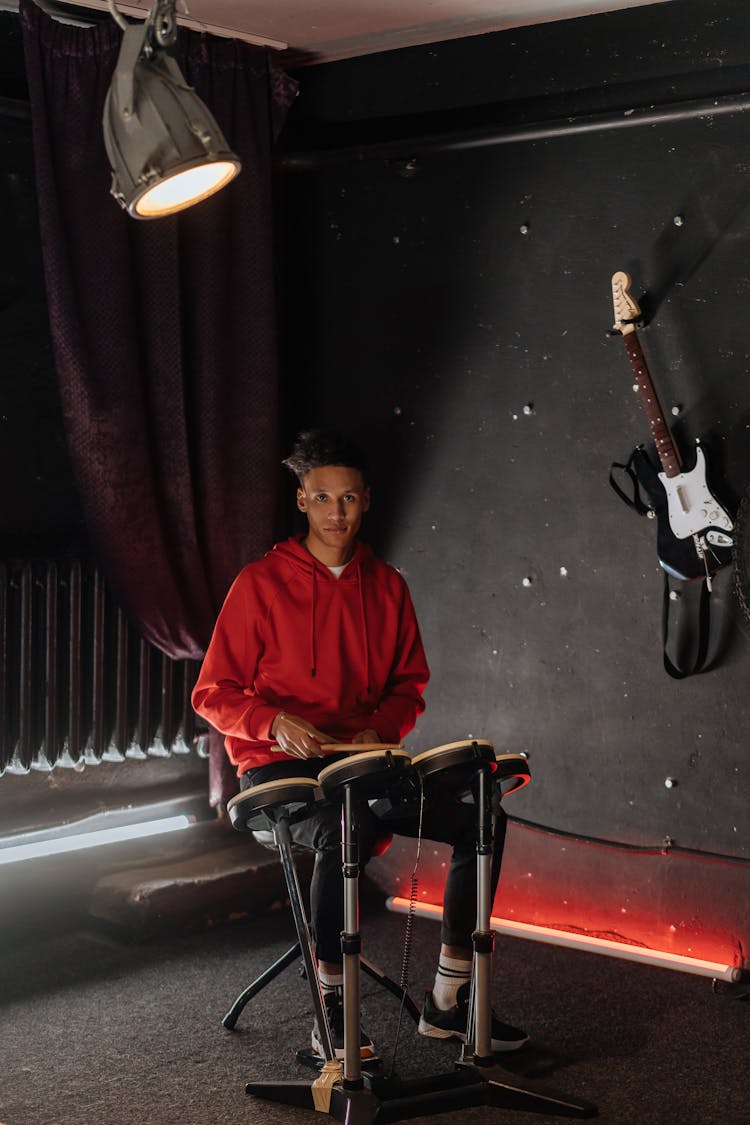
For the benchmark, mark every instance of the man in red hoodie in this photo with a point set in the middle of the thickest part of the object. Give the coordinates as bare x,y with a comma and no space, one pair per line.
318,643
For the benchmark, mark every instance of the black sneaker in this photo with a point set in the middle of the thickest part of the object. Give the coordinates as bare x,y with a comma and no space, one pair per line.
334,1002
451,1024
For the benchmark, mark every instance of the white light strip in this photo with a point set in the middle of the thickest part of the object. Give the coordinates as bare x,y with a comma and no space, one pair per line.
588,944
18,852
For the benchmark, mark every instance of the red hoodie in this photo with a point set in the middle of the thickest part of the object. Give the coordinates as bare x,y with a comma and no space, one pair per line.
343,653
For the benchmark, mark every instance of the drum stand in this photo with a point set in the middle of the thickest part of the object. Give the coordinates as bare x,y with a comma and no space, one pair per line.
358,1099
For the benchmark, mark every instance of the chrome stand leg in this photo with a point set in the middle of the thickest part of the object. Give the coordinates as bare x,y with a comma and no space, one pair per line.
351,942
483,938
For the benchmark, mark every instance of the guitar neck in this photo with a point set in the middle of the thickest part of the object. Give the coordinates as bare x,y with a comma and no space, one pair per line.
669,456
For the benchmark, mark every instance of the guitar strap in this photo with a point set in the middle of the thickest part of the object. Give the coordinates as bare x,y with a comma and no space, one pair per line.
704,614
637,466
633,501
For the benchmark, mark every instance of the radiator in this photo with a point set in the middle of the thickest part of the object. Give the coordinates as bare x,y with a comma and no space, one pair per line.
78,685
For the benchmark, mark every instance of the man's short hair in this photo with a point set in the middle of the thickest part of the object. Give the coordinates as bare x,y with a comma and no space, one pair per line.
315,449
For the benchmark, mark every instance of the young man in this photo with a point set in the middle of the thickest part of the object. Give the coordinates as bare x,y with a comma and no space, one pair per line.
318,642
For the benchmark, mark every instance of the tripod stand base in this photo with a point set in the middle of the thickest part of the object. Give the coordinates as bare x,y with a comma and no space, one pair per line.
393,1099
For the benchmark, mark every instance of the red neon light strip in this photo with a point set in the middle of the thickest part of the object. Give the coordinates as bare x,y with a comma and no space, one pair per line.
582,941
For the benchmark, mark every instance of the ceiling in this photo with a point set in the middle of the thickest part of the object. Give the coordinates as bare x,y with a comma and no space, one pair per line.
325,30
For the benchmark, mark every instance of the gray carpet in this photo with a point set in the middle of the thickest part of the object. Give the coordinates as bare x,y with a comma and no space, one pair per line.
94,1030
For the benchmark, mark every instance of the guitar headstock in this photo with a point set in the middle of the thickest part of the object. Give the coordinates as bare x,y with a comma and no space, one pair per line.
626,307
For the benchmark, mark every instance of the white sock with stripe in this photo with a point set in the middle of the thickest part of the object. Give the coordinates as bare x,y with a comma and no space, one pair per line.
329,982
451,974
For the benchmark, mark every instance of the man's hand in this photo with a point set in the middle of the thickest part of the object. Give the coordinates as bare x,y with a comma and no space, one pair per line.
367,736
297,737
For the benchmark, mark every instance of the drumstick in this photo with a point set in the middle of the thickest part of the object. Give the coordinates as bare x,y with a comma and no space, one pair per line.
299,725
359,747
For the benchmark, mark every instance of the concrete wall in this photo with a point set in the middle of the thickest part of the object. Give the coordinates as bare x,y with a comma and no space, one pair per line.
452,218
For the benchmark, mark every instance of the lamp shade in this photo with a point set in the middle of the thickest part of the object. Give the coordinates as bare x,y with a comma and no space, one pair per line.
165,148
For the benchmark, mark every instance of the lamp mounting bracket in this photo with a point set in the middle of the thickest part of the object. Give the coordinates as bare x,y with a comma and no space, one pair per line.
162,23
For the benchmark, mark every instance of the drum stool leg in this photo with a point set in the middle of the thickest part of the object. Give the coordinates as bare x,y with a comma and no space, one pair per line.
286,959
303,946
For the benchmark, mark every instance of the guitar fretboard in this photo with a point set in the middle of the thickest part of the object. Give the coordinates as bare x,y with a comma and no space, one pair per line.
665,447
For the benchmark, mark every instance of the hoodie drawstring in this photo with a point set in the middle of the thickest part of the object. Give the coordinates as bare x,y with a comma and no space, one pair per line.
363,619
313,662
363,616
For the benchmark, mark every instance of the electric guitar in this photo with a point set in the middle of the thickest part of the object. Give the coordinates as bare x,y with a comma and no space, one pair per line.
692,511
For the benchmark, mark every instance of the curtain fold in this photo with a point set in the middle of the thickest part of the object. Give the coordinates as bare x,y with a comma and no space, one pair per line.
164,335
164,331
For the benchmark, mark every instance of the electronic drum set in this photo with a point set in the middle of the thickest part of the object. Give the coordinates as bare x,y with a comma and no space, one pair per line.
371,772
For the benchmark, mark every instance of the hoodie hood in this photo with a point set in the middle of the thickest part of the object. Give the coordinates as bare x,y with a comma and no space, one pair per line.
297,555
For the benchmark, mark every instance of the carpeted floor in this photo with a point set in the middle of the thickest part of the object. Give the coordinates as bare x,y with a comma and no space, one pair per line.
98,1032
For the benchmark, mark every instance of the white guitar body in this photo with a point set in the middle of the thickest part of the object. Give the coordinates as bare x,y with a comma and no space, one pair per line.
691,507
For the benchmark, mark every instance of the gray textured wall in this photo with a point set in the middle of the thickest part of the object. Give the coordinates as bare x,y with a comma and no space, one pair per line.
419,313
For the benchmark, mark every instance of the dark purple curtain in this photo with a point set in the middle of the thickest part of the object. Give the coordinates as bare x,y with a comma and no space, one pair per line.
164,332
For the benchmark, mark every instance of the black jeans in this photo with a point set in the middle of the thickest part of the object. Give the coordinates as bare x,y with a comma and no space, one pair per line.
445,819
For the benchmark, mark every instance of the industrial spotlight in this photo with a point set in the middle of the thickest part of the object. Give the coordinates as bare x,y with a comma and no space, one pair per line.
165,148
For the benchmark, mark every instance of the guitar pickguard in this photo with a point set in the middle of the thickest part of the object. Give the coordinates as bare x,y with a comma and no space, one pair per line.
691,506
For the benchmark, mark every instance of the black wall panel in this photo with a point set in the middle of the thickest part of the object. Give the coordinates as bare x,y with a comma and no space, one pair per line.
453,310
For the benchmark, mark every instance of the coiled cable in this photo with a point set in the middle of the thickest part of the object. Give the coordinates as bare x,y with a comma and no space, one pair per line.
403,981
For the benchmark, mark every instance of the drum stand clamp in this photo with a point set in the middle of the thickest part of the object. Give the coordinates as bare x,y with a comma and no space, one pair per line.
362,1099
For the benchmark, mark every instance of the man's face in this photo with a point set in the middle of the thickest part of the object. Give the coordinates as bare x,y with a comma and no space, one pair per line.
334,499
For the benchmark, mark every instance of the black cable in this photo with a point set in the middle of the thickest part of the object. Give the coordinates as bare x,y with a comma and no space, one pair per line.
408,929
739,557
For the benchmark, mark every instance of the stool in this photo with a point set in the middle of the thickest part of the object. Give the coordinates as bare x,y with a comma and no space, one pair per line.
283,802
289,801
